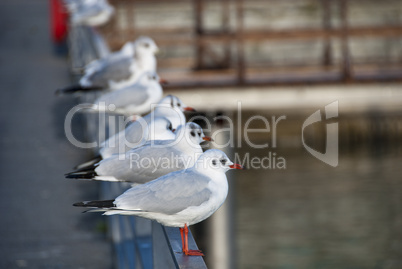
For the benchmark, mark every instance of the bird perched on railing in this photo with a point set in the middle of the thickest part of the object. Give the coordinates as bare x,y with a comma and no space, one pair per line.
178,199
134,99
170,107
158,125
89,12
118,69
150,161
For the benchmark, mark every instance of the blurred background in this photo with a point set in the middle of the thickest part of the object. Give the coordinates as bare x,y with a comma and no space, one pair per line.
282,59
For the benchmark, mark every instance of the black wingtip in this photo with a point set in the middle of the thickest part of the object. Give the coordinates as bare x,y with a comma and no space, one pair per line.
76,88
69,89
96,204
81,175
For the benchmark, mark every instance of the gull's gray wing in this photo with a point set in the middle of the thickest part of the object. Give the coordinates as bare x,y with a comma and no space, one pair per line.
135,134
131,95
143,164
169,194
110,68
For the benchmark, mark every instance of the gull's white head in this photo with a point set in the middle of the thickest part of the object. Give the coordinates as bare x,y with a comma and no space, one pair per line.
175,103
172,108
149,77
192,133
215,160
145,45
161,129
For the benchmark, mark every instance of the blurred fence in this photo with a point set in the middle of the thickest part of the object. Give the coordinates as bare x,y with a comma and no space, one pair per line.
265,42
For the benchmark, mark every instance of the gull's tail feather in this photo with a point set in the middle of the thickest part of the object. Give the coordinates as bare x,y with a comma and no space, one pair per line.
77,88
85,172
89,173
108,207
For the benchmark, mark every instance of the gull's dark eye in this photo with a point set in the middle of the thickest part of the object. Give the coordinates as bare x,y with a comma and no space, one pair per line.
199,133
179,105
146,45
192,134
214,162
223,161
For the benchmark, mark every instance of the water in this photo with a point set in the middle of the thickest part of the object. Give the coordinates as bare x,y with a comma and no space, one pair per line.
311,215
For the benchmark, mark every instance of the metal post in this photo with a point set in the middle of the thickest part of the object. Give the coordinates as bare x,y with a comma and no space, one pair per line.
240,45
226,31
221,237
198,31
326,20
131,8
346,66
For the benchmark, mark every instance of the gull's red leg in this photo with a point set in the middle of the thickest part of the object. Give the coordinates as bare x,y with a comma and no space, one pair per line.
185,248
182,238
189,252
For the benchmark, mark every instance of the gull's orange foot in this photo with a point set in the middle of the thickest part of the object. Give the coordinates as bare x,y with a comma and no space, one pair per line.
192,252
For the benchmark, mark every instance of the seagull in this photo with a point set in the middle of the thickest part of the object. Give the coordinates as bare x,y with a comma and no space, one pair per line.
135,135
157,125
133,99
170,107
154,159
89,12
118,69
178,199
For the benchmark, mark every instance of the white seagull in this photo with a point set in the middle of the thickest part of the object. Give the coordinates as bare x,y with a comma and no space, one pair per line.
157,125
170,107
135,99
178,199
154,159
135,135
118,69
89,12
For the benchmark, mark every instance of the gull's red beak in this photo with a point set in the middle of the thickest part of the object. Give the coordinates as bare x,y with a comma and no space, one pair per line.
207,138
187,108
236,166
163,81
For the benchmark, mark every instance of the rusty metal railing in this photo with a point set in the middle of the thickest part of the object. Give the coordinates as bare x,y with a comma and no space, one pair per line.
219,55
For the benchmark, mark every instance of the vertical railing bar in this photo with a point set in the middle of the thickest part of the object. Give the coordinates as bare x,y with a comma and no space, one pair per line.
240,45
132,19
226,31
198,32
326,20
115,232
128,241
143,244
346,63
